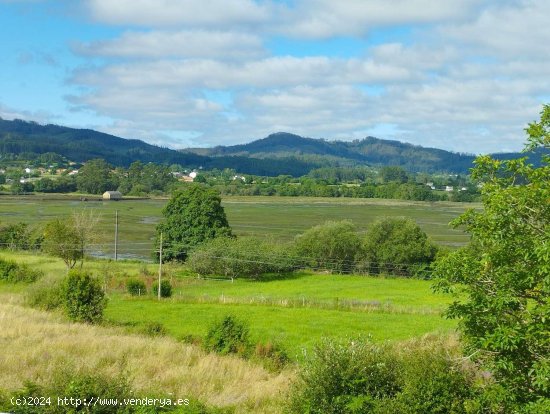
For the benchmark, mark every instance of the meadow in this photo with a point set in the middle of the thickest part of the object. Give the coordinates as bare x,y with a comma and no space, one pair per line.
279,218
294,312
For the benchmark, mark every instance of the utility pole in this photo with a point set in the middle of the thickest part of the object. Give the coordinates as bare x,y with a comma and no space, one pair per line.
116,235
160,265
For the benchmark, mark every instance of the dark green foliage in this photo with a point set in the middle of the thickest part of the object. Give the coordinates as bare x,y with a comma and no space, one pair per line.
504,274
396,246
95,177
136,287
392,174
362,377
84,300
165,289
18,187
191,217
228,336
332,246
246,257
19,236
59,185
15,273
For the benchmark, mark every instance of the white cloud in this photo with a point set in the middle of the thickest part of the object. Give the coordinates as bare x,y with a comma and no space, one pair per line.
183,44
178,13
467,77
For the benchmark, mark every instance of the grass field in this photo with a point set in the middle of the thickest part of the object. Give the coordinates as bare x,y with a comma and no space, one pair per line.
295,312
281,218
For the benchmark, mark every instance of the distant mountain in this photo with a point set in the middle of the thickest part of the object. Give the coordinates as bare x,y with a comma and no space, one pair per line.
367,151
278,154
81,145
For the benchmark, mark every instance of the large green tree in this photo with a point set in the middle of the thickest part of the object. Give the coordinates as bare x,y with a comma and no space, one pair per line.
504,274
192,216
396,245
95,177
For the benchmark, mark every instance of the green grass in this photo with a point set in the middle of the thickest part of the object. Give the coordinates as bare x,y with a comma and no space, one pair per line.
297,329
393,294
280,218
295,312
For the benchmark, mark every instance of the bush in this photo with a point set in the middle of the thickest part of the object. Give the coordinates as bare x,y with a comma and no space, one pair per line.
84,300
165,289
396,246
136,287
272,355
361,377
14,273
228,336
345,378
239,257
332,246
154,329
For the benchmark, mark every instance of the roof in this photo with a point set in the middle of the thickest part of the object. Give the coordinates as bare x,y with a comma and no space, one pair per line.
117,193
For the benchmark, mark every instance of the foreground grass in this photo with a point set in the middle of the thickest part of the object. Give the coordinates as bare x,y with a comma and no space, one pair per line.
36,344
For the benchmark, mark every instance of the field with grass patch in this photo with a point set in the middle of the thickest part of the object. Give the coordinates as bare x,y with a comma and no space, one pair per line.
280,218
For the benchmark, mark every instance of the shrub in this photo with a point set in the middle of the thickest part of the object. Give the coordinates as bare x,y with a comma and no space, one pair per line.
239,257
345,378
361,377
154,329
332,246
84,300
165,289
228,336
136,287
14,273
272,355
398,246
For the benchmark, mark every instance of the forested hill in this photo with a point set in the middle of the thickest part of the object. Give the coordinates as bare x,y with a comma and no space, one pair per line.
278,154
369,151
80,145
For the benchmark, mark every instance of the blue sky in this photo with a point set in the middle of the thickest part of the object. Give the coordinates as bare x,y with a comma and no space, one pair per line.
464,75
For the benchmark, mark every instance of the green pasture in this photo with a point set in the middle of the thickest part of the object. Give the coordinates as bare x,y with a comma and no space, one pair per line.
295,312
296,329
280,218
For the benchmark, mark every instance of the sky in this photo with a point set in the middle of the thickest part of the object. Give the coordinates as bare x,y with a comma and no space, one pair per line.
462,75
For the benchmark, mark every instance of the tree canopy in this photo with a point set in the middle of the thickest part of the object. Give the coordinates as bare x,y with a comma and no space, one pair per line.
504,273
192,216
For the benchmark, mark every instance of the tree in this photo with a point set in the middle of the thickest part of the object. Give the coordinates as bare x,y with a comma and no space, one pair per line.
62,240
192,216
69,238
396,245
504,273
95,177
332,245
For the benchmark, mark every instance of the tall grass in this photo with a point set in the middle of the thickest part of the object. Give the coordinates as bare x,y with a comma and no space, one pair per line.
35,344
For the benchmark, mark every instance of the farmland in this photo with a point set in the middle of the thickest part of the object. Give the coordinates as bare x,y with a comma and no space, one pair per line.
295,311
280,218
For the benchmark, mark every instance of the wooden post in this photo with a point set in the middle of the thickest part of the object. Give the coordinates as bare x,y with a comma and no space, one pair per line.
160,265
116,235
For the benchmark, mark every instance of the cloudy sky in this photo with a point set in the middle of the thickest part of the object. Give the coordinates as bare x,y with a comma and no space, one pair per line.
464,75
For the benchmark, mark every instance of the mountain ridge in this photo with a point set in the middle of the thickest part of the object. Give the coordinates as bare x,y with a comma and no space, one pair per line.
280,153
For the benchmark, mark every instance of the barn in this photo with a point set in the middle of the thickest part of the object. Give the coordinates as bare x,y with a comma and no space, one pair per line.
112,195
